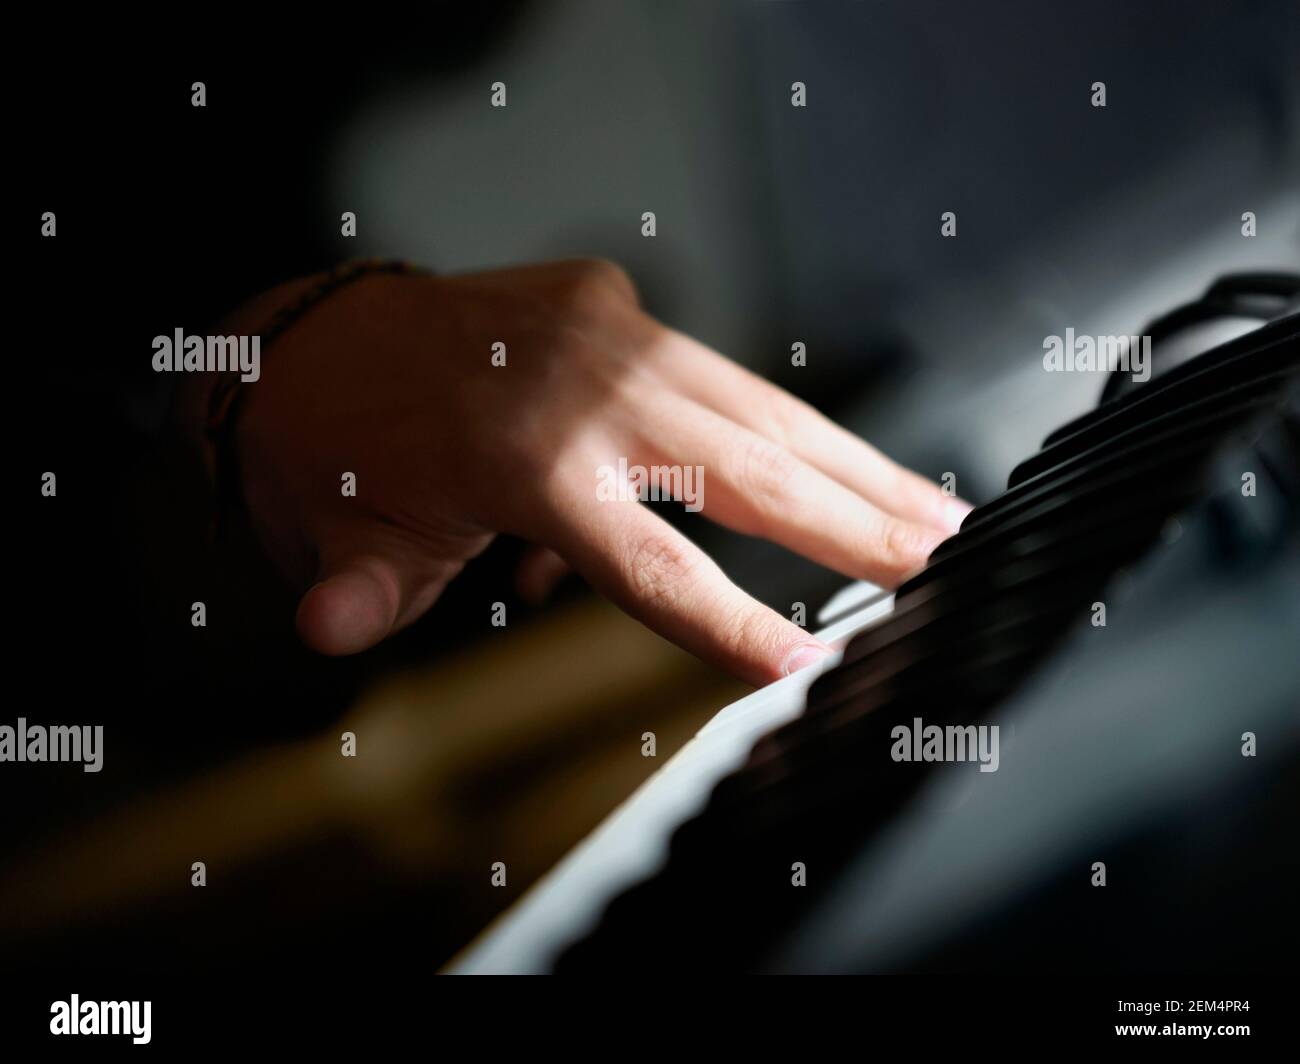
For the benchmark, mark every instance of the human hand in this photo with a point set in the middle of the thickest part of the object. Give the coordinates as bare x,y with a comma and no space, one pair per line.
391,379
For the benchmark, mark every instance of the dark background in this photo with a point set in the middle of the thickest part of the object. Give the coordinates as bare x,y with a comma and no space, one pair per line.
776,224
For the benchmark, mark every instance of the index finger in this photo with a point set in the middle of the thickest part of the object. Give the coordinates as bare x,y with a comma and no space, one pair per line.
653,572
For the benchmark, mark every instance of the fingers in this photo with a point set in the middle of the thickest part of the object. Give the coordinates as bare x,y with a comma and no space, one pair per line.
538,573
350,610
361,599
656,574
722,385
759,488
363,596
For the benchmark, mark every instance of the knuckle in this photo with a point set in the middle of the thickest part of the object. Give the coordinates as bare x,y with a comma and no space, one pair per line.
765,472
902,545
608,273
782,415
659,569
595,284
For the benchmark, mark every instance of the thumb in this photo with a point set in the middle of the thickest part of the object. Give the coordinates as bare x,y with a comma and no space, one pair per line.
361,597
351,607
538,573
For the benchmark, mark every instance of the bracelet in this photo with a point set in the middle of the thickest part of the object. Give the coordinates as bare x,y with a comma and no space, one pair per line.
226,397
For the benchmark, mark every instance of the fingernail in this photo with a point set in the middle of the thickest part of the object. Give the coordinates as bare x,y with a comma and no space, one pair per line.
954,513
803,656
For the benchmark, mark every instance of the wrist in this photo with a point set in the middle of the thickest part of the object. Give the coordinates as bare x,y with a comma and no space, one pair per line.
213,409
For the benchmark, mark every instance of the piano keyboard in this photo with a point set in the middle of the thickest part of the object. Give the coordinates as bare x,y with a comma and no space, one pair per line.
694,869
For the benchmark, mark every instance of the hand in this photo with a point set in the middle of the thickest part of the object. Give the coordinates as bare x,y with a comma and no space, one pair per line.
391,379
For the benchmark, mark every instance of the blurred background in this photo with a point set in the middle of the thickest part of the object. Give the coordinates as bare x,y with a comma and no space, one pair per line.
776,225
